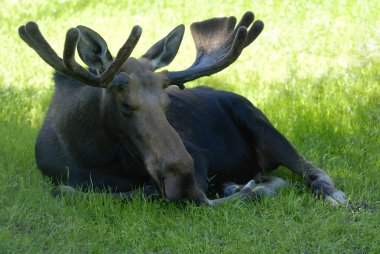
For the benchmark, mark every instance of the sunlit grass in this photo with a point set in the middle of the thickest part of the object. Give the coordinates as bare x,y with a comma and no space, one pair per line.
314,71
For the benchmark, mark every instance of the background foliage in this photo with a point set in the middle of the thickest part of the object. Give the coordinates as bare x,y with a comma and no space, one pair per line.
315,71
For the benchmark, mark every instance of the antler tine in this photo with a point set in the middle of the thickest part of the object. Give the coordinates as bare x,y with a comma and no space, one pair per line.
123,54
77,71
33,37
254,32
247,19
218,45
256,28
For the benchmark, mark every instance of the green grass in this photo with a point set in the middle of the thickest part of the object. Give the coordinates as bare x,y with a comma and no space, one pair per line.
315,72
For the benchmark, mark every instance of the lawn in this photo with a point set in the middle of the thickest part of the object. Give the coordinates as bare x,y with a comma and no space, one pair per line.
314,71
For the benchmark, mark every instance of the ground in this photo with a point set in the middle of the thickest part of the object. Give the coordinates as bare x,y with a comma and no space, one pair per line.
314,71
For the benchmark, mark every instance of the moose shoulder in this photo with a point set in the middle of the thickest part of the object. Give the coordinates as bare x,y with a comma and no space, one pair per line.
120,125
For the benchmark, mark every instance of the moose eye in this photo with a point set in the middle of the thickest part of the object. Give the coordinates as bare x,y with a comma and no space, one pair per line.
125,105
127,108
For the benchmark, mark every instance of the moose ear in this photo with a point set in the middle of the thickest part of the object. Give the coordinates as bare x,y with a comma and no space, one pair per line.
164,51
93,49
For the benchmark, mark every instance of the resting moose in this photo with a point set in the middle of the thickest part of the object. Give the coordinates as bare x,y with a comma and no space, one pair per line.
120,125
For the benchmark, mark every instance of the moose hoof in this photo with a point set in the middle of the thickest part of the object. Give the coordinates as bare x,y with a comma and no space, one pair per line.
336,198
249,186
230,190
324,188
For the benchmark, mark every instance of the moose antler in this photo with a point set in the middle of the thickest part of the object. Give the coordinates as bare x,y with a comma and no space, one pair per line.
31,34
218,45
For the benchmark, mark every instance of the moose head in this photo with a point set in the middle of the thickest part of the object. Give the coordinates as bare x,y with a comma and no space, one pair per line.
134,98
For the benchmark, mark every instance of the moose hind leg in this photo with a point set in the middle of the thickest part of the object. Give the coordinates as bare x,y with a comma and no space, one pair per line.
273,150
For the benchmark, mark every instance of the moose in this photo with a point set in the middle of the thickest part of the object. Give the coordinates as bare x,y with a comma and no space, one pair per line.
120,125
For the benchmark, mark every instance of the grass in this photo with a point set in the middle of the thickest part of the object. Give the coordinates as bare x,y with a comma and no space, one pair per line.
315,72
